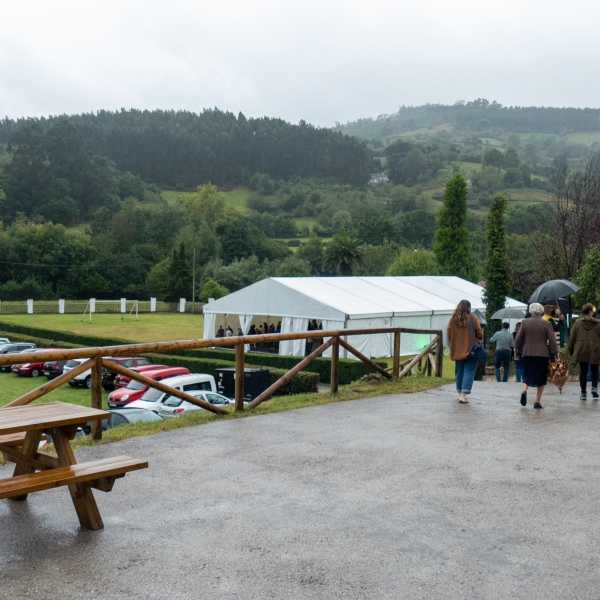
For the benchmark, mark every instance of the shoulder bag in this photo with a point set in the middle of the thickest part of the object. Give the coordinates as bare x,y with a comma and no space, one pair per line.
478,352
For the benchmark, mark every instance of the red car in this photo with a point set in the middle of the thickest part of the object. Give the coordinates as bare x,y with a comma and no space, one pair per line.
30,369
121,381
135,390
129,362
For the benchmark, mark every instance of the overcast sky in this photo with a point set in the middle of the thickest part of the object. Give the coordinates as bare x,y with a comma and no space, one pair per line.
319,61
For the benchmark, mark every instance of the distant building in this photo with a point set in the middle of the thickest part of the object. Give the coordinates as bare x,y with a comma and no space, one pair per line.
377,179
469,184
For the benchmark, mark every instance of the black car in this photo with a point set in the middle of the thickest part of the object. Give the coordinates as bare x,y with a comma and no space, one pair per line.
13,348
108,376
54,368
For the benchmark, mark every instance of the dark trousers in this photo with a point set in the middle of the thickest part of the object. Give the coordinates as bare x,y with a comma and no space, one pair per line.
502,358
583,373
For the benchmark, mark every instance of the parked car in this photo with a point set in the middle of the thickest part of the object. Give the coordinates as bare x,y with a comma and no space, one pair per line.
108,377
54,368
121,381
31,369
151,400
84,378
135,390
121,416
12,348
171,406
4,340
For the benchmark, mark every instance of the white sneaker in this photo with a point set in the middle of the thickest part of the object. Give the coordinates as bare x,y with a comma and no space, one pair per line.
463,398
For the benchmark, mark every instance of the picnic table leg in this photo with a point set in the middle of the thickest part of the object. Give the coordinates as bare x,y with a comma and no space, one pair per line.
30,448
82,496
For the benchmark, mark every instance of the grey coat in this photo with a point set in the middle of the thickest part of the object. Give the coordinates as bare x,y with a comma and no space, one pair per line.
584,341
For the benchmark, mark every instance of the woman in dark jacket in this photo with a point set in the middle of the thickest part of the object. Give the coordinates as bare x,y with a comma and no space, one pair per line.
536,342
584,347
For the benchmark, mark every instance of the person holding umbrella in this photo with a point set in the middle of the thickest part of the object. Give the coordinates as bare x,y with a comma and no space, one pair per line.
536,343
584,347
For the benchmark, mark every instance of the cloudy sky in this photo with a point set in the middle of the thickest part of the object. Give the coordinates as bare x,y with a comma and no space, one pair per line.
320,61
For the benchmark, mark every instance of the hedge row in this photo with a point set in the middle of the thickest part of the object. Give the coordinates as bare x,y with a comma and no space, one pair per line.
301,383
39,342
62,336
350,370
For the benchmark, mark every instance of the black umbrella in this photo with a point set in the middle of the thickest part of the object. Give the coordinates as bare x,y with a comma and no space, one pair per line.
551,291
509,313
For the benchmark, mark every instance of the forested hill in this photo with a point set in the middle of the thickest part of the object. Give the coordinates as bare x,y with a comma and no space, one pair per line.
478,116
184,149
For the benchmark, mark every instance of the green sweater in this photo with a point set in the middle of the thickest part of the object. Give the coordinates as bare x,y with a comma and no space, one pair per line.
504,340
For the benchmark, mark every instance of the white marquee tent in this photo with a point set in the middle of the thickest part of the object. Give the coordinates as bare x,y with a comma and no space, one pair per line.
423,302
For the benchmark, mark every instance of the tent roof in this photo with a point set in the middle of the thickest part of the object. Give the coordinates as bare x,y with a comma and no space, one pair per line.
338,298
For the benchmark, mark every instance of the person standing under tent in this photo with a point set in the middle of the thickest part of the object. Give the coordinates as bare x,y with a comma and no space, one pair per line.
463,331
584,347
504,344
537,343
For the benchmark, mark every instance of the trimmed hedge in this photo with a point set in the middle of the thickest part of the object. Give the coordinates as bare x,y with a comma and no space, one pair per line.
350,370
301,383
39,342
63,336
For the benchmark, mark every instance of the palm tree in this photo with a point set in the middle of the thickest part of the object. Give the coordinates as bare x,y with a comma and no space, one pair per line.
344,253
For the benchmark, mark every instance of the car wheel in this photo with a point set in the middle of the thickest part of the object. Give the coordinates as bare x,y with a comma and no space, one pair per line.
108,387
88,382
72,383
35,372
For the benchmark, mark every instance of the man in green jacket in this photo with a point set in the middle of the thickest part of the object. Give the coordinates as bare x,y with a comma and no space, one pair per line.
584,347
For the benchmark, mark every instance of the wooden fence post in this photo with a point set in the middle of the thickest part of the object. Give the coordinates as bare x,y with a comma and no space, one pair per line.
439,356
335,365
97,396
239,377
396,355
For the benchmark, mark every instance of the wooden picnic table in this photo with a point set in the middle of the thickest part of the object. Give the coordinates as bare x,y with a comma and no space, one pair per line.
21,430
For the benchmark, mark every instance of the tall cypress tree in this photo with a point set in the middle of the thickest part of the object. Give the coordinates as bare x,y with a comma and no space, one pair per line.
452,247
497,266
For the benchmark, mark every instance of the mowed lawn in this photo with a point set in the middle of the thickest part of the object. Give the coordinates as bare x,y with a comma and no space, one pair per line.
11,387
150,327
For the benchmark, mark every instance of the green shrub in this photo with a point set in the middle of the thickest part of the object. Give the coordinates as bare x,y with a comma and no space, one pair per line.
350,370
301,383
62,336
39,342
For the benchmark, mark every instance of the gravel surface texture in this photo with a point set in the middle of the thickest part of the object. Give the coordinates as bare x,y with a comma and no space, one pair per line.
411,496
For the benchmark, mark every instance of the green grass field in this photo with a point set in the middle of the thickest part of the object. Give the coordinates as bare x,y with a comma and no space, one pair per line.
151,327
11,387
235,198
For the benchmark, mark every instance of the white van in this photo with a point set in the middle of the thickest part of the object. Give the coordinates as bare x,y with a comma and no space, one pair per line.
152,398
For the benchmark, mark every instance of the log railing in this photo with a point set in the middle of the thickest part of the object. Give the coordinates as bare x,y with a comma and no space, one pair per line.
334,339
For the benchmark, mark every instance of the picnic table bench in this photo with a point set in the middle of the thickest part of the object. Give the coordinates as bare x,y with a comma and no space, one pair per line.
21,430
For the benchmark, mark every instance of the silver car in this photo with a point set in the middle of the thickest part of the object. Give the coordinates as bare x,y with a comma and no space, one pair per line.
175,407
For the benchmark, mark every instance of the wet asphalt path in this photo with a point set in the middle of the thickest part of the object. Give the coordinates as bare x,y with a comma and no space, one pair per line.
411,496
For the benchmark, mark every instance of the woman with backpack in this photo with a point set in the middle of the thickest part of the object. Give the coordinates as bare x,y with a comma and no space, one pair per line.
464,330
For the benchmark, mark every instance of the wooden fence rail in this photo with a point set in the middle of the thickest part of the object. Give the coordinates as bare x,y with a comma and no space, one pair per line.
97,360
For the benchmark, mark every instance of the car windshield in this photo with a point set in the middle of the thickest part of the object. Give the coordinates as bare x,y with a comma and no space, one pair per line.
151,395
135,385
72,363
172,401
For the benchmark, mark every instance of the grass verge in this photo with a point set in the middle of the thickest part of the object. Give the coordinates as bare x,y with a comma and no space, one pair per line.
366,388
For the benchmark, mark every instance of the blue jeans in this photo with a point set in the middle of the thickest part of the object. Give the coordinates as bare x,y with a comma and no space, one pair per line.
464,373
519,367
502,358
